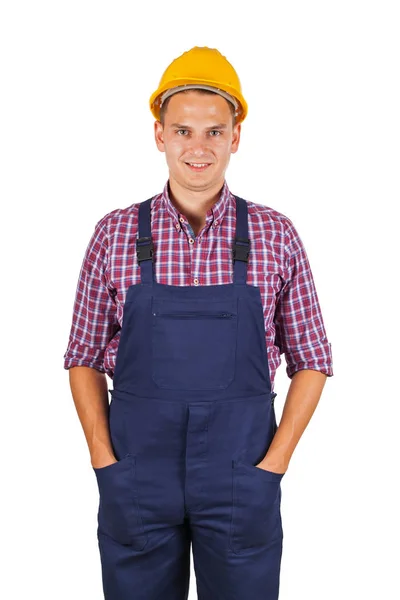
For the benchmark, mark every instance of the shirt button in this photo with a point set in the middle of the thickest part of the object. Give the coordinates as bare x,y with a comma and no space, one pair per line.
191,241
177,226
196,281
182,220
216,223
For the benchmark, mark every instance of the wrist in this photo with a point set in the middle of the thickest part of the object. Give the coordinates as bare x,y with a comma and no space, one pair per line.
102,457
276,464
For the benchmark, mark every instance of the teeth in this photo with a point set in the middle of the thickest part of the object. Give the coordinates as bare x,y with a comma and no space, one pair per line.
198,164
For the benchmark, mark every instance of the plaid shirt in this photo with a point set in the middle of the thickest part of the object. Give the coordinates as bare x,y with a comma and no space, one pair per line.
278,265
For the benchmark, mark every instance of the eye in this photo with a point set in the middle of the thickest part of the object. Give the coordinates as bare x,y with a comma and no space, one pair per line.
215,131
179,130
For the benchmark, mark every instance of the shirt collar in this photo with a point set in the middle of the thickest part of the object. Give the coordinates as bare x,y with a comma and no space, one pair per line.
214,215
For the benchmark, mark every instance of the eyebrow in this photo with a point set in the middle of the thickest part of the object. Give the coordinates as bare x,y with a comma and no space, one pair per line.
219,126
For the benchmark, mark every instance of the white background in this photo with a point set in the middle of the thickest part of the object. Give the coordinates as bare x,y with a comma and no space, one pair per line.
320,144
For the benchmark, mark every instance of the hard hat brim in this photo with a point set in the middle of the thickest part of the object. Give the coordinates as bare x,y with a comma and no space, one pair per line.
155,97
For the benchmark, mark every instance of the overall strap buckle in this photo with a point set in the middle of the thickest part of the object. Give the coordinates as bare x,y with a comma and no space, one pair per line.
144,249
241,249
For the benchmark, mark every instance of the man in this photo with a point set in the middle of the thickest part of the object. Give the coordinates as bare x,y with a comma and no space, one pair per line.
187,300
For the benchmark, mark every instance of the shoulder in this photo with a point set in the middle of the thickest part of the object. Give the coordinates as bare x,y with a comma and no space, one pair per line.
268,219
121,220
117,216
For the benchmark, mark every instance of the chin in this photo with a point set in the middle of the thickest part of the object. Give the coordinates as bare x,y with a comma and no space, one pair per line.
200,182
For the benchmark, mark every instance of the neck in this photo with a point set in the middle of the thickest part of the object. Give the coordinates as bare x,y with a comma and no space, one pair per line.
194,204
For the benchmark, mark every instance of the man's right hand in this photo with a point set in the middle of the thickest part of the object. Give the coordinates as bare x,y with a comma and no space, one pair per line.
99,462
90,395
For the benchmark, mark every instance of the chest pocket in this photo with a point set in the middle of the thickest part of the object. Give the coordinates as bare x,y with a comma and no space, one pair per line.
194,343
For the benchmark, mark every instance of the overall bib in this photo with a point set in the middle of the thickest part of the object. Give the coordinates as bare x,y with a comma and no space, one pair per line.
191,414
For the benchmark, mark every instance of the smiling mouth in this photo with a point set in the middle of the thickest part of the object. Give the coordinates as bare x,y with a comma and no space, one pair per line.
197,166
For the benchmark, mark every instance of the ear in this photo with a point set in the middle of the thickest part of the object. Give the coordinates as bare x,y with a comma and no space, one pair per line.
236,137
159,136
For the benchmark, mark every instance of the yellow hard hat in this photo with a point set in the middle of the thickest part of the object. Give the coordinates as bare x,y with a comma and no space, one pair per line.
200,67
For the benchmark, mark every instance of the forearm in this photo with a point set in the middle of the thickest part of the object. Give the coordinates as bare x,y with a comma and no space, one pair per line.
303,396
90,395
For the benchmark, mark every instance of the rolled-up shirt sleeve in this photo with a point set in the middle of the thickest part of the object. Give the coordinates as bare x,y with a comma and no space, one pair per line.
94,318
299,327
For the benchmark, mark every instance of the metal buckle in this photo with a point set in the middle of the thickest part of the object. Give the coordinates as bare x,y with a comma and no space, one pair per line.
241,249
144,249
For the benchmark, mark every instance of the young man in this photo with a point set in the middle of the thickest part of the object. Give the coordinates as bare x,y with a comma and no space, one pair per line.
187,300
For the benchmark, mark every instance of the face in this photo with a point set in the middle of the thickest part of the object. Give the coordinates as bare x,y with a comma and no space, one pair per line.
198,130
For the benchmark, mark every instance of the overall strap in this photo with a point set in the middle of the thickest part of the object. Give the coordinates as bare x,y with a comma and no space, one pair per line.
241,244
240,249
144,243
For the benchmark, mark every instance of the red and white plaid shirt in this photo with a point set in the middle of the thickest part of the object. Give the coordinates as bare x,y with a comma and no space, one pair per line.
278,265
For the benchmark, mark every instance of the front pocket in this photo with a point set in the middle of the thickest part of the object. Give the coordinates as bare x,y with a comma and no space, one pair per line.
256,518
193,346
119,511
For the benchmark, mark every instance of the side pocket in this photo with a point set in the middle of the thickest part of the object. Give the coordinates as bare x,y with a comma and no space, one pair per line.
256,519
119,511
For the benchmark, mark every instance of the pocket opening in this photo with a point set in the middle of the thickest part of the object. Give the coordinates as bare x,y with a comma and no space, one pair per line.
101,469
253,468
194,315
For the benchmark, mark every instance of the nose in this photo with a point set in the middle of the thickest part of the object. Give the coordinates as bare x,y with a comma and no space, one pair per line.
198,146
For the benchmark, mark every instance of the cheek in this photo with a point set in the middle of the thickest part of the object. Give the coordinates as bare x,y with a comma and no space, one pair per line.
175,149
222,150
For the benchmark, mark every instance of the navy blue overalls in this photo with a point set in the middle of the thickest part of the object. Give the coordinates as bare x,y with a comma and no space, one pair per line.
191,414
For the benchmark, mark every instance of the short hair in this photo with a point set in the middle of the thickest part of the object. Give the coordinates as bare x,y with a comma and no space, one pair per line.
164,105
